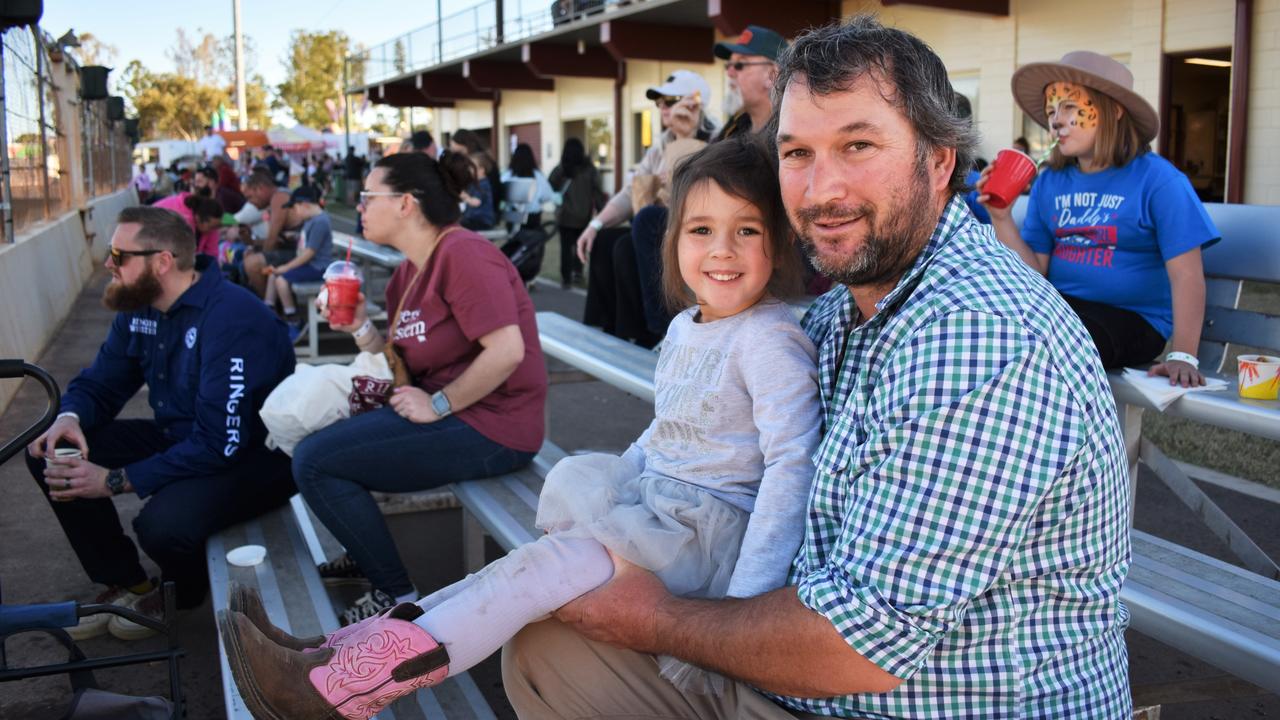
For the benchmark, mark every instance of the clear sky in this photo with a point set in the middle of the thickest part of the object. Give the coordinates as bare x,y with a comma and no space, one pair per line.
145,29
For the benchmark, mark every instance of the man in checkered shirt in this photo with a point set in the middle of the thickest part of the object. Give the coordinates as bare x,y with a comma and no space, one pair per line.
968,527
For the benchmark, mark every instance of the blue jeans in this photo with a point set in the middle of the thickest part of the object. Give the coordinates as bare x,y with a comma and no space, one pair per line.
337,467
647,230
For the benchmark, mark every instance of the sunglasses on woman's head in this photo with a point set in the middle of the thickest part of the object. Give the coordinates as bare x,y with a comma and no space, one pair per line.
668,100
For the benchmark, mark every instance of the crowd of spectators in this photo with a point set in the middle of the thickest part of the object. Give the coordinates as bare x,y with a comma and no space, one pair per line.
901,551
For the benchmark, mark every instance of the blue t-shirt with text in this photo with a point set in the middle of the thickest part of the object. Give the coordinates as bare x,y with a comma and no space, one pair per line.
1109,233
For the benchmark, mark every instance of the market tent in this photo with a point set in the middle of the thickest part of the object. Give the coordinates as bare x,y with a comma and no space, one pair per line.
244,138
296,139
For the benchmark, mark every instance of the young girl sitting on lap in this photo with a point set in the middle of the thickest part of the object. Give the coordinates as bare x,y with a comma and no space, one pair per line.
711,497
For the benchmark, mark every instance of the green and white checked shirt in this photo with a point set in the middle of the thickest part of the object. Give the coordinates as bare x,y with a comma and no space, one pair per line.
968,527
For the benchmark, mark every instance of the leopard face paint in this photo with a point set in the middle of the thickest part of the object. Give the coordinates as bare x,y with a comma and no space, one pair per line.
1068,105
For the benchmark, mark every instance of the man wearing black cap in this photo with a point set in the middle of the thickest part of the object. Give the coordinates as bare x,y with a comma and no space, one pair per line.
315,252
752,67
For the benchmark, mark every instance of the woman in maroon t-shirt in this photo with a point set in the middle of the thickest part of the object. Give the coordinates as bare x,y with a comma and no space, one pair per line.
467,334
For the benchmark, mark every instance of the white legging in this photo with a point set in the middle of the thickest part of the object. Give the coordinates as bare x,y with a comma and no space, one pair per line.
475,616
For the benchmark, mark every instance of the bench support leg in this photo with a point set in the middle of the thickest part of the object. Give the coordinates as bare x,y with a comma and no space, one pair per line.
1131,426
472,542
1222,526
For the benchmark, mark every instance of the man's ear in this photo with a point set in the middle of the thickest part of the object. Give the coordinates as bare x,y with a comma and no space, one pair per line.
942,164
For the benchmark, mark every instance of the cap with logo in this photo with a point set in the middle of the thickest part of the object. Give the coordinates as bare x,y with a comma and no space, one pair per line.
755,40
680,84
306,193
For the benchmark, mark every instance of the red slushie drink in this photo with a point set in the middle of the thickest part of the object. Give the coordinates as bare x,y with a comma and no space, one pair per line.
1010,173
342,281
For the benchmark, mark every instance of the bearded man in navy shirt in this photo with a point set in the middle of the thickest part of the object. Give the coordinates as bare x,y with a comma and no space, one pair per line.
209,352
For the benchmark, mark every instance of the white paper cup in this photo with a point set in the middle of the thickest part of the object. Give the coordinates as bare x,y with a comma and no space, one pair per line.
61,454
247,555
1259,377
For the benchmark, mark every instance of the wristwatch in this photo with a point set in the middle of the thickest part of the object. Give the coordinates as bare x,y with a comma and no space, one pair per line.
440,403
115,481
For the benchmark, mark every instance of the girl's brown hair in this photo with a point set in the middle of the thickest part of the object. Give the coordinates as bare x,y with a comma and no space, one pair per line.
1117,141
743,167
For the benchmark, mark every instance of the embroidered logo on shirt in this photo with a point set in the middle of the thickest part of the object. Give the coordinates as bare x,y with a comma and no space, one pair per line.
191,337
142,325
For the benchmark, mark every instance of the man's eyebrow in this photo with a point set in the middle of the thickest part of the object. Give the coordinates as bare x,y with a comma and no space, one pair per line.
853,127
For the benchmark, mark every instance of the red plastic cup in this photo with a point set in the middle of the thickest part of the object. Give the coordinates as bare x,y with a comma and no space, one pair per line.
344,293
1011,172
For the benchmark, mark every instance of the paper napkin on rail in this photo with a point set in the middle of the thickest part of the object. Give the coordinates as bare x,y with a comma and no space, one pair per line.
1158,390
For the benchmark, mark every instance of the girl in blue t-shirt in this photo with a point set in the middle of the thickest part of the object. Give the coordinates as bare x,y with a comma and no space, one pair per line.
1116,228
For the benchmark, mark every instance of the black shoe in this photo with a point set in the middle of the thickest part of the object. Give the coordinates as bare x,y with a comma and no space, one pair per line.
366,606
342,571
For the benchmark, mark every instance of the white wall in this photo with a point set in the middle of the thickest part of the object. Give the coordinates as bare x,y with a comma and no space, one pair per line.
44,271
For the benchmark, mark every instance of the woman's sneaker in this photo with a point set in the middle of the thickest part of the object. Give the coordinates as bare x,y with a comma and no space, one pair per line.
343,571
366,606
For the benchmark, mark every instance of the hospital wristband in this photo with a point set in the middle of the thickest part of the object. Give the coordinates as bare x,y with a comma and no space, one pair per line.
68,414
363,329
596,225
1187,358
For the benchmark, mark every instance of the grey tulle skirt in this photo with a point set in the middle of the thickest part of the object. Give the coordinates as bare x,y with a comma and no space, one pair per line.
685,535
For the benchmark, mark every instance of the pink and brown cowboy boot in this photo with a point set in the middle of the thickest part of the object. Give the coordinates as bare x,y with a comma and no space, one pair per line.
355,676
246,601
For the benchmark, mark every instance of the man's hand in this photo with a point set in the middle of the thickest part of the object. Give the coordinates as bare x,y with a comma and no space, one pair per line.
73,478
413,404
1178,372
684,116
64,428
621,612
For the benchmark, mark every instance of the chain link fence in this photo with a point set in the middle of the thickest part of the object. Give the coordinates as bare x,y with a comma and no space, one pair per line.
41,147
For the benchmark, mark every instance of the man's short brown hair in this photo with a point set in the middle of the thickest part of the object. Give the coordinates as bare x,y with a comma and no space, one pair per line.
161,229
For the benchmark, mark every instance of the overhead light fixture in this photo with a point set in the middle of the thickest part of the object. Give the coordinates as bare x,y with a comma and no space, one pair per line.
1209,62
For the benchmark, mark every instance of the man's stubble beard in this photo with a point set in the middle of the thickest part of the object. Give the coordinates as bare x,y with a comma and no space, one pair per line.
132,297
888,249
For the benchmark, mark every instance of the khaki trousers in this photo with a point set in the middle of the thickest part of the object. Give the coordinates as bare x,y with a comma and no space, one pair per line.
551,672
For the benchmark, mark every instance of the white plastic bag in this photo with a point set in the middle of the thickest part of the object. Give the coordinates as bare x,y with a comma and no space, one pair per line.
316,396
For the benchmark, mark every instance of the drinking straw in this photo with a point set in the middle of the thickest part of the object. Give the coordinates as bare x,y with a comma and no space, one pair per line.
1043,158
349,246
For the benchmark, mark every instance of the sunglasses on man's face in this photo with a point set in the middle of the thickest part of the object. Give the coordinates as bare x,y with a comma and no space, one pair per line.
668,101
118,256
738,65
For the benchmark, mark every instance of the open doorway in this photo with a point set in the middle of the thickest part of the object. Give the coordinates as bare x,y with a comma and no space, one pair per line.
1195,118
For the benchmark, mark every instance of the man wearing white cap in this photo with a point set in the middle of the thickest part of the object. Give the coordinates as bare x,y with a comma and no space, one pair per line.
613,293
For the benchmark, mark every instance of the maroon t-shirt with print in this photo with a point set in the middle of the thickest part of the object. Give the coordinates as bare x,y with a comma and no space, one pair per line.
468,290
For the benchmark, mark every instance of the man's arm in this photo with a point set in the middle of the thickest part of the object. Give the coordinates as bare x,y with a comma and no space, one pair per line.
278,213
771,641
238,370
99,392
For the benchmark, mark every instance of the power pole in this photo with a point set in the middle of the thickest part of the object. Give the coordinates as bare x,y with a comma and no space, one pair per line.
242,107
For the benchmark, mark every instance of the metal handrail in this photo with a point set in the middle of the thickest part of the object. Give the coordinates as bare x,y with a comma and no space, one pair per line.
452,37
16,369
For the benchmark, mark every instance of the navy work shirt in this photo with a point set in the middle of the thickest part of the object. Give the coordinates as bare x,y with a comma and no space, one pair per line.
209,362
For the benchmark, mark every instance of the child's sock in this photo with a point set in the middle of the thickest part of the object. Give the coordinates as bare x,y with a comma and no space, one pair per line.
407,597
475,616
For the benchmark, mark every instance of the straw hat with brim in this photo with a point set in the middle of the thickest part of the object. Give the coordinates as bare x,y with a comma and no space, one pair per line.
1094,71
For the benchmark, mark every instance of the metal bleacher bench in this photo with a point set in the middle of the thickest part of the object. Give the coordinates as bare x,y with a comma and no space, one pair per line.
1220,613
297,602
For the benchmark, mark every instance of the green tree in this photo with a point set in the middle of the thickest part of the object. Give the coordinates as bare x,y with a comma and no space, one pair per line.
169,104
314,74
